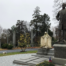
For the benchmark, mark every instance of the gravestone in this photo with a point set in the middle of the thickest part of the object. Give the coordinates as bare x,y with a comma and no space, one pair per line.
45,44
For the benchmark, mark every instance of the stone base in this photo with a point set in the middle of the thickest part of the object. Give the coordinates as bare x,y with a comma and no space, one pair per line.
33,61
59,54
59,61
60,51
43,51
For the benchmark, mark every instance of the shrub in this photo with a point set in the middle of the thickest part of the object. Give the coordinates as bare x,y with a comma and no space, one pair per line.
4,46
45,63
9,46
22,45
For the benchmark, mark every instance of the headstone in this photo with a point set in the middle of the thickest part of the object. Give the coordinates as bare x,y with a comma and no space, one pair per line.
45,44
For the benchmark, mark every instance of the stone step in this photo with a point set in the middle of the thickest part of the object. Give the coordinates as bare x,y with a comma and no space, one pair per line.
30,61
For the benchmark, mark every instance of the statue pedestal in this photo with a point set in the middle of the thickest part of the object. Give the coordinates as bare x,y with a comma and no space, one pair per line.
43,51
45,44
59,54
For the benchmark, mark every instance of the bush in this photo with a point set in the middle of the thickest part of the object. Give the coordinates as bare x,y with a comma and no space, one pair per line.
22,45
45,63
4,46
9,46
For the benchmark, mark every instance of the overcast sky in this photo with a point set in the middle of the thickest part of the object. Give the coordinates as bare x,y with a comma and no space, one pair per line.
13,10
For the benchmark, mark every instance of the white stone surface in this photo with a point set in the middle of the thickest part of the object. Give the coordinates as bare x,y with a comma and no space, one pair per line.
32,61
52,49
59,45
8,60
46,41
37,61
28,59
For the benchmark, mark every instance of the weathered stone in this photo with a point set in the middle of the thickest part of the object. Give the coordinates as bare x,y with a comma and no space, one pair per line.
46,41
45,44
43,51
59,54
30,61
59,50
59,61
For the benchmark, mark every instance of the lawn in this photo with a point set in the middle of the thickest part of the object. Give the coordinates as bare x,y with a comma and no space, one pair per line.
13,53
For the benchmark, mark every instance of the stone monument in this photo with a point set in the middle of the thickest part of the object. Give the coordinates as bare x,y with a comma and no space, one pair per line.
40,56
45,44
60,48
61,17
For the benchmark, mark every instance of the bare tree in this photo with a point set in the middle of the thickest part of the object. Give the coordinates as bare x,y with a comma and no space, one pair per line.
6,33
57,6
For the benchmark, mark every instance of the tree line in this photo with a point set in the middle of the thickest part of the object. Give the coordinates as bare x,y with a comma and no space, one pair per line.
39,24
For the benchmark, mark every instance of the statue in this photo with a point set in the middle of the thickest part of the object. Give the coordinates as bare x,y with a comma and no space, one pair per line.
46,41
45,45
61,17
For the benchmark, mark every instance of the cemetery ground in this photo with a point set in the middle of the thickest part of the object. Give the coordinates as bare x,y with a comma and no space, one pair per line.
17,50
10,58
14,53
17,54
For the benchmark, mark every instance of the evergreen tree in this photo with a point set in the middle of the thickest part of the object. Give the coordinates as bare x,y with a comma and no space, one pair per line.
35,20
40,24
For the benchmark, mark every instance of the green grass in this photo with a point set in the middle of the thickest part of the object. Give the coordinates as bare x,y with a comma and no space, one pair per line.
13,53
